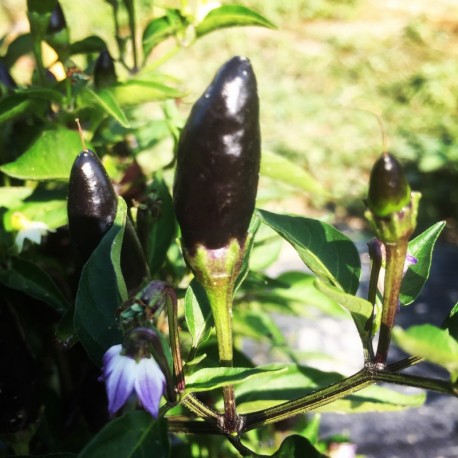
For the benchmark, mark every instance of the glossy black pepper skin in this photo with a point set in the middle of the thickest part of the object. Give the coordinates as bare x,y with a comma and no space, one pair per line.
218,160
389,190
92,203
104,71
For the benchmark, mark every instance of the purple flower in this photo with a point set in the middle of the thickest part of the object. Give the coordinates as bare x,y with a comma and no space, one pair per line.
123,375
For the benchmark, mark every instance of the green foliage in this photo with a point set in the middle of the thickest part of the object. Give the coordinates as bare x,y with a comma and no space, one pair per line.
135,435
324,250
134,126
100,292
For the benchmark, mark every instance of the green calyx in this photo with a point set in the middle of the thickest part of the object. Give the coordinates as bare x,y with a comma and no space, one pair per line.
398,225
389,191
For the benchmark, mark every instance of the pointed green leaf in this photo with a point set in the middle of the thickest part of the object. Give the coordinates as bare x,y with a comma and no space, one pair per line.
100,291
360,309
50,157
281,169
217,377
28,277
326,252
422,248
161,28
231,16
89,45
431,343
296,446
198,313
106,100
134,435
135,92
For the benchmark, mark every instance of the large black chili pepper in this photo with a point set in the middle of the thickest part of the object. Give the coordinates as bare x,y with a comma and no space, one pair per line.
92,205
218,160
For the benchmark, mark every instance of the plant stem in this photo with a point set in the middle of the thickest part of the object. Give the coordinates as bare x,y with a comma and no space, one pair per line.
362,379
130,6
172,314
395,259
220,299
201,410
440,386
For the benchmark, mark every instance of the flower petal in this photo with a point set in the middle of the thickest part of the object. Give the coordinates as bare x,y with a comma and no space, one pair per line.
149,385
109,359
119,382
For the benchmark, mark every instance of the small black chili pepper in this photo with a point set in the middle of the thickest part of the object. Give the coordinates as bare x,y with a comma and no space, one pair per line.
104,71
389,191
57,21
92,206
92,203
218,160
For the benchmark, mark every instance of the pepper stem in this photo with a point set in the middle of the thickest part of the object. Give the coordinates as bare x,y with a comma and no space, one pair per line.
395,258
217,271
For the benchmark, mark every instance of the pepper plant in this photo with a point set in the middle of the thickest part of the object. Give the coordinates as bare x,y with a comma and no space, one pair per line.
126,296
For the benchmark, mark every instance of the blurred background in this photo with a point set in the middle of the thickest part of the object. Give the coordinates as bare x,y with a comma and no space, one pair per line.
325,74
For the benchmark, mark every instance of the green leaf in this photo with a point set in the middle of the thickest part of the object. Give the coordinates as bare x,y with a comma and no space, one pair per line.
41,93
451,322
106,100
51,212
135,92
326,252
431,343
231,16
161,28
252,230
29,278
100,291
217,377
198,313
285,171
422,248
292,292
89,45
50,157
296,446
134,435
20,46
16,105
160,228
360,309
257,325
11,197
